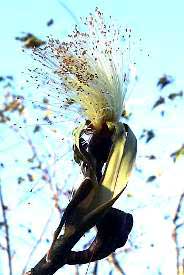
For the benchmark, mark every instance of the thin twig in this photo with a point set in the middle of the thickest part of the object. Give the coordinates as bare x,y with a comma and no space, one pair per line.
8,249
95,269
77,269
175,233
36,244
69,12
113,260
177,213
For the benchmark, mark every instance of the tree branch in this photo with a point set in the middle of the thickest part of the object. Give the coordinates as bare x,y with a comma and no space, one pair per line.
36,245
113,230
5,222
112,259
175,234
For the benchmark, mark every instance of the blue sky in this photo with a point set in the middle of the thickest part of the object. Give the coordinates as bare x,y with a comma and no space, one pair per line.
158,23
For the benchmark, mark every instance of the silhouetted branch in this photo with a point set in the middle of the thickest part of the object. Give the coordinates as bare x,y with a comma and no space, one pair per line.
95,269
113,230
36,245
175,234
113,260
77,269
60,251
8,249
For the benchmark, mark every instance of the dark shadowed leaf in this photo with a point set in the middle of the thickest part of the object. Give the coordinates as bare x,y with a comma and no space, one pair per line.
20,180
2,224
151,178
69,101
36,129
151,157
112,233
30,177
174,95
164,81
162,113
160,101
9,77
50,22
148,134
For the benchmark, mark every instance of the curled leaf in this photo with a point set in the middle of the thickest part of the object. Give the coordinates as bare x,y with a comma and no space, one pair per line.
93,199
112,233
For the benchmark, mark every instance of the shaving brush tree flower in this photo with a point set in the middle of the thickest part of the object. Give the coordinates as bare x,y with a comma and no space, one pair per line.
92,69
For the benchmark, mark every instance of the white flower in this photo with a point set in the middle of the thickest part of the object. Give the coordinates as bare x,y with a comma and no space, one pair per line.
91,68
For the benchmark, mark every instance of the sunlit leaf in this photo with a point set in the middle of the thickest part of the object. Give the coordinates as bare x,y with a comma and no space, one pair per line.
177,154
126,114
30,41
14,106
